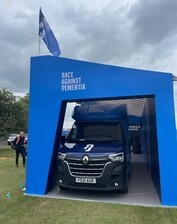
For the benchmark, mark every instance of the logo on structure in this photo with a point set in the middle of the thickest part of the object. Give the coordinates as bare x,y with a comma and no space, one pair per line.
71,81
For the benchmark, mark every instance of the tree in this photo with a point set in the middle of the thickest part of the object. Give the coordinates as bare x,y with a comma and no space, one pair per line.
13,112
21,111
7,101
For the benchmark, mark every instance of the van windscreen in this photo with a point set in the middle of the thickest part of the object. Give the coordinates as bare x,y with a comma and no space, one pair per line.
90,132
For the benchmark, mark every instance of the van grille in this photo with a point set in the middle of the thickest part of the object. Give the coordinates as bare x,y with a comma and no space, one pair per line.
94,168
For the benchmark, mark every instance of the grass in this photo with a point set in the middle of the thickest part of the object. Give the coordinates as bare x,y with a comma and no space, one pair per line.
17,208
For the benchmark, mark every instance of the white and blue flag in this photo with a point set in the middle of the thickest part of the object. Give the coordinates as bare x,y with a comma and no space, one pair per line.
47,35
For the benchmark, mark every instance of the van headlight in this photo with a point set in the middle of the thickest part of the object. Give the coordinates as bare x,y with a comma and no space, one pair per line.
118,157
61,156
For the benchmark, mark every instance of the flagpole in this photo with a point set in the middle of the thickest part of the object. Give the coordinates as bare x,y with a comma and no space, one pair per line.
39,42
39,47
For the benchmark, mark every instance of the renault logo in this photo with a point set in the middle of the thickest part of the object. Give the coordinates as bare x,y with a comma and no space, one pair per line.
85,160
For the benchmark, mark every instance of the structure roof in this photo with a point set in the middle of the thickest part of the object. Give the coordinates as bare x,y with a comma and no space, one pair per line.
134,106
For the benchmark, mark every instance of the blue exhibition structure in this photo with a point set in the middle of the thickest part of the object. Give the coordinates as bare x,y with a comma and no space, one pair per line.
55,81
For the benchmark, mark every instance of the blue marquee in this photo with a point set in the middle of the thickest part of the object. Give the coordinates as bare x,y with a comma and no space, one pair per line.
56,81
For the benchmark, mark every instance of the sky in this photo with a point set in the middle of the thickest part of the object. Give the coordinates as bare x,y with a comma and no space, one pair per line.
130,33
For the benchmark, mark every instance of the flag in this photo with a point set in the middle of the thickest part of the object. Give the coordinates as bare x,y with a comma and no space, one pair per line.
47,35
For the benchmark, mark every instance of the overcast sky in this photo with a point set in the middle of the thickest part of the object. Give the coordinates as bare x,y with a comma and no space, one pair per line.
130,33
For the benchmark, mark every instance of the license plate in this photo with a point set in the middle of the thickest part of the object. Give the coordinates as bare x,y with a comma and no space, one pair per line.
85,180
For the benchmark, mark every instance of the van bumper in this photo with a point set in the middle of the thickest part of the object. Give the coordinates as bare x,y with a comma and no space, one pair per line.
112,178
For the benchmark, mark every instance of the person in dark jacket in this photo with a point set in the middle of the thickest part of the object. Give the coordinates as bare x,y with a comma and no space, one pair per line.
20,142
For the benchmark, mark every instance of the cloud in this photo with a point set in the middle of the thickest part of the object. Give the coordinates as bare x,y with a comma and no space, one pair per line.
17,43
128,33
154,21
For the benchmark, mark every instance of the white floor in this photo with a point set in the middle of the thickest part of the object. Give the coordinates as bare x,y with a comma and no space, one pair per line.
141,189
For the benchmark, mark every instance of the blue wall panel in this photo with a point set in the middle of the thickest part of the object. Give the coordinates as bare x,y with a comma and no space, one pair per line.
50,89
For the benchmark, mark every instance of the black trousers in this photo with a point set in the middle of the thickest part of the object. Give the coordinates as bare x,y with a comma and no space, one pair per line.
20,150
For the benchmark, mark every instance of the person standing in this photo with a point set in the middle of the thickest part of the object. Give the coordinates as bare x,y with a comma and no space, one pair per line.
20,142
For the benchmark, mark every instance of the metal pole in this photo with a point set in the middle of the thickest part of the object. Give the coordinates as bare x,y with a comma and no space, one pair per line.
39,47
39,43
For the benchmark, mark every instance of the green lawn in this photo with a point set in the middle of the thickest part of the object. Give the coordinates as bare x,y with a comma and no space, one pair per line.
17,208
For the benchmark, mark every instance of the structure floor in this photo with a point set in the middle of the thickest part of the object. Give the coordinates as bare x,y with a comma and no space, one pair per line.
141,189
